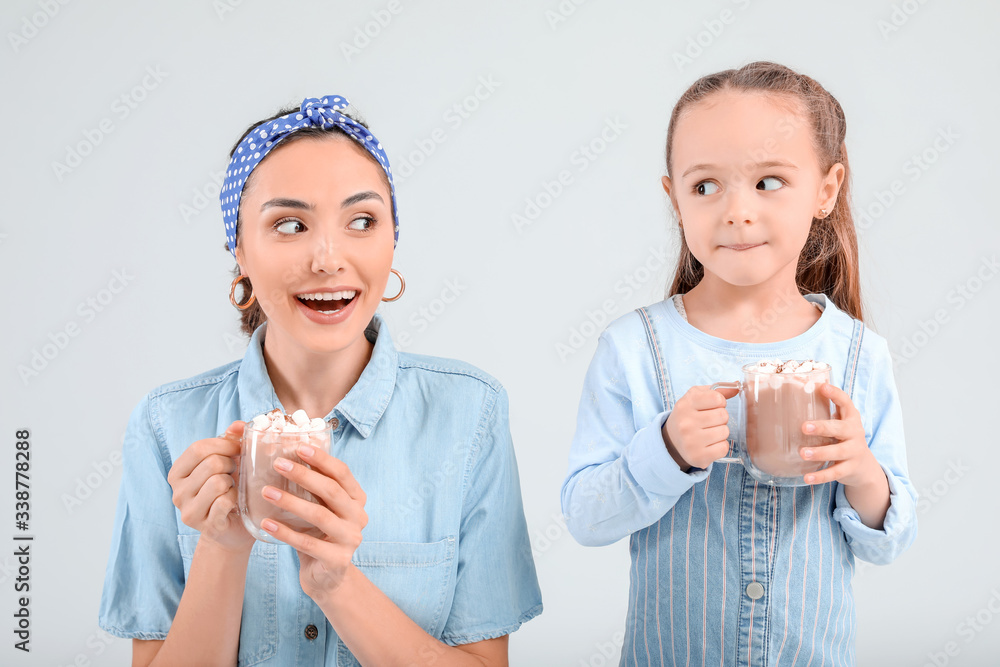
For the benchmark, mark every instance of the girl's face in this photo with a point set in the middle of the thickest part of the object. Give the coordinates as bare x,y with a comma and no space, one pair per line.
317,221
745,172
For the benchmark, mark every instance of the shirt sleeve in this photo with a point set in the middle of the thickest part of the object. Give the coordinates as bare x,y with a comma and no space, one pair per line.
620,479
145,573
884,432
496,587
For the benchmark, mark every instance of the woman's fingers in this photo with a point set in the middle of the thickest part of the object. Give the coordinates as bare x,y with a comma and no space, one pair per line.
335,469
339,530
190,486
323,487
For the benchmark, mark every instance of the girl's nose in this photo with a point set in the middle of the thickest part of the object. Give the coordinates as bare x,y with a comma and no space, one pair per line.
739,207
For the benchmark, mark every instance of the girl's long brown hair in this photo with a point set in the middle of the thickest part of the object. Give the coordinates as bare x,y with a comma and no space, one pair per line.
828,263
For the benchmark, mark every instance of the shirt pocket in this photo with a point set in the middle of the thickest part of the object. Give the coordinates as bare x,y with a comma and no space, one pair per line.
417,576
259,622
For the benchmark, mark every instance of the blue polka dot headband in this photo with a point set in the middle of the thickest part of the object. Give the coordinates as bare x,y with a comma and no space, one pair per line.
262,139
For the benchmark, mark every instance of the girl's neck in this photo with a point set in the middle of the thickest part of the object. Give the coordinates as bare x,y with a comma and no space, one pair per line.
756,314
305,380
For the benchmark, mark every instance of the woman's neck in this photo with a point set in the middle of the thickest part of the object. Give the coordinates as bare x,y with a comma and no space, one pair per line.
755,314
306,380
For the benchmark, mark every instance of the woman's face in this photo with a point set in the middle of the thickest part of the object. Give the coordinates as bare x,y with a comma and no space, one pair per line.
317,242
745,172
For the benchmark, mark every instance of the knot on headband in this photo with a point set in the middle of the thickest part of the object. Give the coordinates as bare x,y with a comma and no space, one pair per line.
314,112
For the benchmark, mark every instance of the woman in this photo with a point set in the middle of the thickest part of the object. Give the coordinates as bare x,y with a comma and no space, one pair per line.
424,555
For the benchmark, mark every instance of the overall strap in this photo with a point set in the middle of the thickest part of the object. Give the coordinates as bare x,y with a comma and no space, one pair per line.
852,358
662,378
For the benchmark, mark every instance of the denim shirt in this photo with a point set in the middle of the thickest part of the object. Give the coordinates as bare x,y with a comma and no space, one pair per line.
429,442
726,571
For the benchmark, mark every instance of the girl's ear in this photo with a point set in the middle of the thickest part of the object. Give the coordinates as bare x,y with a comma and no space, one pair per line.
668,187
831,187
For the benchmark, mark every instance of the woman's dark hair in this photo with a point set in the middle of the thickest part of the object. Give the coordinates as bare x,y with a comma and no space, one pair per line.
254,316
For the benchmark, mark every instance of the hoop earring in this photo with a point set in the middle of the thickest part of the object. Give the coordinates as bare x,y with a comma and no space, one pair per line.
402,286
232,293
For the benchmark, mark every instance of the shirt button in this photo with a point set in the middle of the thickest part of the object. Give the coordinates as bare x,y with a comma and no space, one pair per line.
334,423
754,591
311,632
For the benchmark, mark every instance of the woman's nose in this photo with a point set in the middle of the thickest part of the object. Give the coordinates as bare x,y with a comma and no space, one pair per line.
327,254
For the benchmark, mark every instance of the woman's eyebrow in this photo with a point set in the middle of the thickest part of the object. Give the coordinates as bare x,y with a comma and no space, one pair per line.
360,197
287,203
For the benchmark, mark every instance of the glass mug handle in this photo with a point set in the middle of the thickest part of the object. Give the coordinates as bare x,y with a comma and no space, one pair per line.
736,447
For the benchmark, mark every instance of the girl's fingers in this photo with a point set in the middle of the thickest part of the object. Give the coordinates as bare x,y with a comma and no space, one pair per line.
829,474
840,399
835,452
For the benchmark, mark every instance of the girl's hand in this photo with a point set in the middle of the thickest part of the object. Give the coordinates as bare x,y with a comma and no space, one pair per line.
696,432
340,515
203,479
854,464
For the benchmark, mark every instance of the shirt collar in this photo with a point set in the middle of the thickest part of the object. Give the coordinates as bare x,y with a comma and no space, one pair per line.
363,405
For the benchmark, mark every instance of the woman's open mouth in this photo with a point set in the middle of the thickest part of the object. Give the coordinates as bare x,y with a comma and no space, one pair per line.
327,303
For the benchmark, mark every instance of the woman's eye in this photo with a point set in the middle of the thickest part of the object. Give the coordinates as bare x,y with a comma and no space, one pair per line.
288,226
706,188
362,224
770,183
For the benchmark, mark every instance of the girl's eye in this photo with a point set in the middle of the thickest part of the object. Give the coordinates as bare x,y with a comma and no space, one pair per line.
363,223
706,188
288,226
770,183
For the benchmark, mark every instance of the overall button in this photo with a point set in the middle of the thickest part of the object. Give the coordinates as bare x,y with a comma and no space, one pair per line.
754,591
311,632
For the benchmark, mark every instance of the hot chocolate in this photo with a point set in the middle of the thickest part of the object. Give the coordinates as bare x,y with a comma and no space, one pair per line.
266,438
780,397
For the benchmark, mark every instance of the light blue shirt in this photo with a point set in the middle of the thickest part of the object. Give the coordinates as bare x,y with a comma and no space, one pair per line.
726,571
429,442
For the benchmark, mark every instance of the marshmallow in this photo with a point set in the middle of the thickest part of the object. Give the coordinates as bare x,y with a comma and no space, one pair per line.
317,424
300,418
261,422
299,422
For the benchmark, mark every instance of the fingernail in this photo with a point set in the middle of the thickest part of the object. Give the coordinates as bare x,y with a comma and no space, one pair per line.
271,493
810,479
306,450
810,427
807,453
283,464
268,525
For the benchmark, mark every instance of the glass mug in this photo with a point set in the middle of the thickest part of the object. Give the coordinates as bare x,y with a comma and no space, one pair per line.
259,450
775,405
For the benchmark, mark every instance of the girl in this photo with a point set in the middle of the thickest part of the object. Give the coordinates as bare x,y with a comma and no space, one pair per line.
423,555
726,571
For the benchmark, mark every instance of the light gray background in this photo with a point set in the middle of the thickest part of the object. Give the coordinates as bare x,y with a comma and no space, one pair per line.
520,294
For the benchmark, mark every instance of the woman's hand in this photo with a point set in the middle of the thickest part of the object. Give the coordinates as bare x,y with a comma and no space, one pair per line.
203,479
853,465
339,515
696,432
